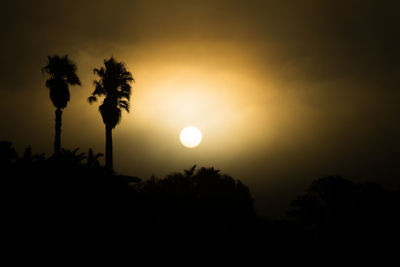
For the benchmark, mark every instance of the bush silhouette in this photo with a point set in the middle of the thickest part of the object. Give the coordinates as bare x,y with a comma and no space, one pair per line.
197,205
63,197
339,214
66,199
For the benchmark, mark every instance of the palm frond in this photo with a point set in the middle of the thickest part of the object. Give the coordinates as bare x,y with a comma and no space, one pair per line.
62,68
92,158
190,172
73,79
62,72
101,72
124,105
113,83
125,91
92,99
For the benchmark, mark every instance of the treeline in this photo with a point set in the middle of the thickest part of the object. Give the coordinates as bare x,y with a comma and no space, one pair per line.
72,198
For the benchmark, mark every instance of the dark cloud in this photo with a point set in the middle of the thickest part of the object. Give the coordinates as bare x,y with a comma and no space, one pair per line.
327,39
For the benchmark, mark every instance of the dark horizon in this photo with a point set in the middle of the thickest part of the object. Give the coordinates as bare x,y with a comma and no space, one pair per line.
69,198
284,93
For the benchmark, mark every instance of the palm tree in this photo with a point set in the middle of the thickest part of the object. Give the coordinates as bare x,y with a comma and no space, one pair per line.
93,159
114,85
62,73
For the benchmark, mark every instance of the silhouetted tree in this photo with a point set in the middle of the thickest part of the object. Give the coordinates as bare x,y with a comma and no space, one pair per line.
92,158
114,84
61,198
62,73
28,158
72,156
339,213
8,154
197,206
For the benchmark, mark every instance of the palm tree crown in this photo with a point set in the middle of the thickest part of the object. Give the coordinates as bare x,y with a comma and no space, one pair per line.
62,73
114,84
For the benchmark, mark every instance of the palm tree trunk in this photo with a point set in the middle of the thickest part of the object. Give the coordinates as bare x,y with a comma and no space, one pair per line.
109,148
57,140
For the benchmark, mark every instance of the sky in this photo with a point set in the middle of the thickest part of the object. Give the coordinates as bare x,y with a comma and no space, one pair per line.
284,92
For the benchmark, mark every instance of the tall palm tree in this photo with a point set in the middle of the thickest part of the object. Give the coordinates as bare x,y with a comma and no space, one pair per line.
114,85
62,73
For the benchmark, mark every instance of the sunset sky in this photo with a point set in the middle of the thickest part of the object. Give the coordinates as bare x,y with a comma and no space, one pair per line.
284,92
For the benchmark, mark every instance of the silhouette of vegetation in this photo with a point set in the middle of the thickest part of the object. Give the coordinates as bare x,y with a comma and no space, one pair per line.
93,159
62,73
196,206
339,214
61,199
8,155
114,85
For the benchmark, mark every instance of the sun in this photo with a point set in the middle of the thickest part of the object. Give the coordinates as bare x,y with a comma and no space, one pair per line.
190,136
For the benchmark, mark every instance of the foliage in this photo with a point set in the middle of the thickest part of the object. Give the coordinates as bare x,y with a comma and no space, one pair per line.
114,85
64,198
62,73
334,209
